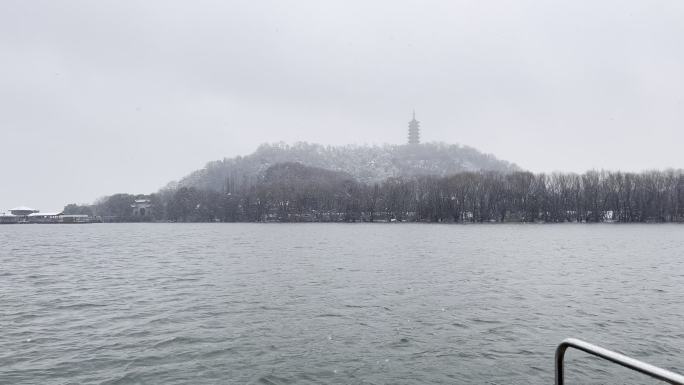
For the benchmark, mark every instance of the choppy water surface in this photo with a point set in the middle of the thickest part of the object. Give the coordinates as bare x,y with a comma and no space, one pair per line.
338,304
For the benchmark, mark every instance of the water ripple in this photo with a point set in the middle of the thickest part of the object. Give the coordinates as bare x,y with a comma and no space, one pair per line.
334,304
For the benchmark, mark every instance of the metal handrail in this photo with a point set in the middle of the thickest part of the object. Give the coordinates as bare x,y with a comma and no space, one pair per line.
620,359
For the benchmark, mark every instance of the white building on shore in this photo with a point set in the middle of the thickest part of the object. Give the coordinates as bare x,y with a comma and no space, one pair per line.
29,215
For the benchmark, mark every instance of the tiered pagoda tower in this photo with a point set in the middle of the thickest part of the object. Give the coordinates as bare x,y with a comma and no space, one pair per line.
414,130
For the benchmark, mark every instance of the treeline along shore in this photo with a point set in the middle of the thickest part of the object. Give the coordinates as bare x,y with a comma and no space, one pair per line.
291,192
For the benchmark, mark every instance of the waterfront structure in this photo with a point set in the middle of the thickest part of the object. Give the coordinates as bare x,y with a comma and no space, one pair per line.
6,218
414,130
142,208
23,211
19,215
39,217
77,218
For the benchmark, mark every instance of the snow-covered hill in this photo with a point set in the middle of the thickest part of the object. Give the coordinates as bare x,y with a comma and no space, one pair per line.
365,163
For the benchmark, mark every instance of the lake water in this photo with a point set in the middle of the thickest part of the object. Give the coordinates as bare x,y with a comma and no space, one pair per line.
335,303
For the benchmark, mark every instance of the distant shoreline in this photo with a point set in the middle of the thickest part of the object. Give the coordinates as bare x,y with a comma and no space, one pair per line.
362,223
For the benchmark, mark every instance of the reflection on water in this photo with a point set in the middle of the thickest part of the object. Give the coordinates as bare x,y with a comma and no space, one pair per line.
338,304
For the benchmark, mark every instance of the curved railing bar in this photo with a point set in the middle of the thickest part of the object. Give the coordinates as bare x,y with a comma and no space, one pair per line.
620,359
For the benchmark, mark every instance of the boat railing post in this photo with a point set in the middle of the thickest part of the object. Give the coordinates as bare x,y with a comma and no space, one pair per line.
614,357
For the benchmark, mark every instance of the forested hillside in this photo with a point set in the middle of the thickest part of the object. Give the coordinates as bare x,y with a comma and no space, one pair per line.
426,183
366,164
292,192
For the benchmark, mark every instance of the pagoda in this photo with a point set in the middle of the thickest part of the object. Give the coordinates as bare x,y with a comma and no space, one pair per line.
414,130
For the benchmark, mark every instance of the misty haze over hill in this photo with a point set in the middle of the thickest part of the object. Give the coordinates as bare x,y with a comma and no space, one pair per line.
367,164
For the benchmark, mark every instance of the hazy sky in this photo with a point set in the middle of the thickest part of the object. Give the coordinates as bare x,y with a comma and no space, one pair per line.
99,97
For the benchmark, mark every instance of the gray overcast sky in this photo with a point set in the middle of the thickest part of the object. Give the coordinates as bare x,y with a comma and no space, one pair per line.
99,97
